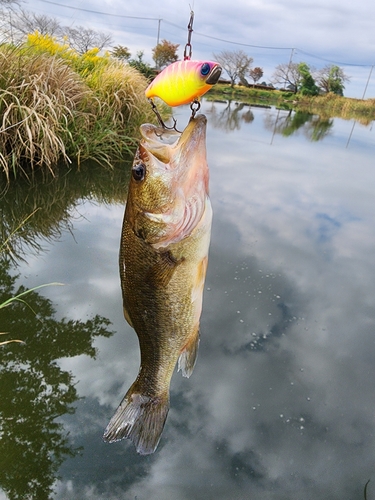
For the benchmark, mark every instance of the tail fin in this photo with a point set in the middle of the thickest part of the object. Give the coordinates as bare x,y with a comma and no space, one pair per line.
139,418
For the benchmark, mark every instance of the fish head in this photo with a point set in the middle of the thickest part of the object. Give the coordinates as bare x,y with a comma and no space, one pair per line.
169,183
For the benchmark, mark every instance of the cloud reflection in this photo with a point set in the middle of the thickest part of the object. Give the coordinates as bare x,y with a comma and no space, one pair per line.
281,404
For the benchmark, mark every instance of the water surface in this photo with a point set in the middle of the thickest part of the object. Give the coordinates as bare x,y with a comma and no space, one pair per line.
281,404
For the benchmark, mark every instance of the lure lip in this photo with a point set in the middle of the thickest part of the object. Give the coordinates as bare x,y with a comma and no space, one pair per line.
214,76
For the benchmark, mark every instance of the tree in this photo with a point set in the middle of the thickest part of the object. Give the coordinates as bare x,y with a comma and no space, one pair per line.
256,74
287,75
142,66
17,24
121,52
164,53
307,84
297,77
236,64
83,39
331,78
21,23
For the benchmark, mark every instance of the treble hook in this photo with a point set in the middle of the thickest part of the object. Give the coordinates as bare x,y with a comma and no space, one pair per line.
188,48
160,120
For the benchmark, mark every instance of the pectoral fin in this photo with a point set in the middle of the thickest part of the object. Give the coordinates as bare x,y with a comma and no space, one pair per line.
162,271
127,317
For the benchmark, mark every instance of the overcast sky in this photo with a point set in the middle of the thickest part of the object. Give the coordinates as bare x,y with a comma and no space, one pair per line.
320,32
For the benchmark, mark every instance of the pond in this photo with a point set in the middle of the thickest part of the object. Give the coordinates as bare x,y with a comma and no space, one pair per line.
281,404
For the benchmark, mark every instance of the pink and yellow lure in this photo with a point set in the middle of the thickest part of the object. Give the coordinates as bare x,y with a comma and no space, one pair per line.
183,82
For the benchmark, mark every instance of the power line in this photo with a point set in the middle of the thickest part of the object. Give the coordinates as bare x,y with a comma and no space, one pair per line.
228,41
334,62
101,13
204,35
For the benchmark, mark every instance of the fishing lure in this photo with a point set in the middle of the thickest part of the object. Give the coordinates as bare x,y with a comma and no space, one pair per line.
183,82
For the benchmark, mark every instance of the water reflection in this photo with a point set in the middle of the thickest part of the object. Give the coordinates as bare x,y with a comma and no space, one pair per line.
229,115
34,390
39,209
281,404
290,122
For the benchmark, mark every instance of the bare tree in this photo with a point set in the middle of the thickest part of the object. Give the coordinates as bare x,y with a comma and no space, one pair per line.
236,64
17,24
8,3
83,39
22,22
287,75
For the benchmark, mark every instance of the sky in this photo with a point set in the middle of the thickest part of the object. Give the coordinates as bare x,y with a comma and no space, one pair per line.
320,32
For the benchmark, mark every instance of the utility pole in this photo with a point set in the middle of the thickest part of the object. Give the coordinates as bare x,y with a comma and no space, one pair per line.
368,80
289,64
158,38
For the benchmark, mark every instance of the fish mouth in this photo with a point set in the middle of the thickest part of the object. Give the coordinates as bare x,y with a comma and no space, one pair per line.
214,76
163,144
194,135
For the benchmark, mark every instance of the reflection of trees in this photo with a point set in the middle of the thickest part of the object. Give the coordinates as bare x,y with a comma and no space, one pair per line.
314,127
34,390
54,199
229,118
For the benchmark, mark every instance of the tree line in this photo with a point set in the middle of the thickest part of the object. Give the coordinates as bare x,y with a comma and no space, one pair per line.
301,78
295,77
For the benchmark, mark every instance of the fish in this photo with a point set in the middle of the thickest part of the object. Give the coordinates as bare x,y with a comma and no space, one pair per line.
163,261
182,82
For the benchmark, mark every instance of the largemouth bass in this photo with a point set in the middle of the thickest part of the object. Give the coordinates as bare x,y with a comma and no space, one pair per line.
184,81
163,261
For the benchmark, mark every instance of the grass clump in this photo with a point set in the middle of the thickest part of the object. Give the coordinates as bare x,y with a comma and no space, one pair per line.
40,98
56,104
343,107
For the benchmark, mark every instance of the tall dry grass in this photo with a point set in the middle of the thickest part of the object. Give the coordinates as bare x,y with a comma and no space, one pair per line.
40,98
57,105
330,105
118,106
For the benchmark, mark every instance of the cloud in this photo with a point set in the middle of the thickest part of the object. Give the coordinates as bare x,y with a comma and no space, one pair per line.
339,32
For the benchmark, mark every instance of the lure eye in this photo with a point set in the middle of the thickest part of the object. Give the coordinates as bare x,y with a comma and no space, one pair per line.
139,172
205,69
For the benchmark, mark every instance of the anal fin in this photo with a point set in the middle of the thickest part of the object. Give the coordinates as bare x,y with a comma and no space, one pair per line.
188,356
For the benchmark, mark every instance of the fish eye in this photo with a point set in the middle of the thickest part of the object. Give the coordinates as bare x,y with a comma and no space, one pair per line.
139,172
205,69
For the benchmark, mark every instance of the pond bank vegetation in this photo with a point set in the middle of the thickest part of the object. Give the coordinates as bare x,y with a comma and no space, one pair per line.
56,104
327,105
